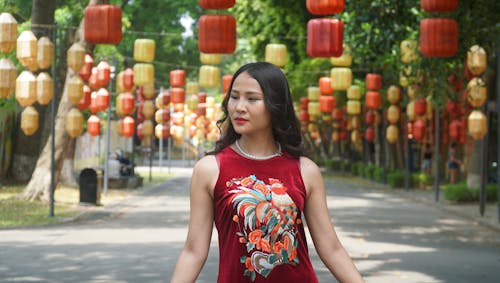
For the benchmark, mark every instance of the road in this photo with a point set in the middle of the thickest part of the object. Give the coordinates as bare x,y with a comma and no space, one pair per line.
390,237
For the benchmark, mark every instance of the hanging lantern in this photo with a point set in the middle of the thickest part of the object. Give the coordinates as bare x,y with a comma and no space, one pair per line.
128,79
177,78
163,100
210,58
345,60
127,126
162,132
192,88
354,92
29,120
8,33
438,37
148,109
477,61
373,100
44,88
76,57
325,86
103,73
341,78
147,128
370,117
45,53
74,123
144,73
476,92
337,114
26,88
391,134
177,95
162,116
148,91
356,136
408,51
419,129
226,82
410,110
26,48
94,106
94,125
455,129
304,115
192,102
325,37
326,103
370,134
477,124
144,50
373,81
103,24
313,108
86,97
202,97
276,54
354,122
86,69
393,114
393,94
353,107
216,4
178,107
439,6
313,93
217,34
127,103
8,76
209,76
322,7
420,106
103,99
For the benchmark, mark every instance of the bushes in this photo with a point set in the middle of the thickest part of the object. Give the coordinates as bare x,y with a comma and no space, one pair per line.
396,179
461,193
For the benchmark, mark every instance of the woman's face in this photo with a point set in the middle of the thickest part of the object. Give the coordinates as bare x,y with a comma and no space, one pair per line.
246,106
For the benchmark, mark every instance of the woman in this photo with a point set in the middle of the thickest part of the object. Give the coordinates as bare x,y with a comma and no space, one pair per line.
453,164
255,186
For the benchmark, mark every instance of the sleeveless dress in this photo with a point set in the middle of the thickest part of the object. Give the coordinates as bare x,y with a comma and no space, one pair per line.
258,215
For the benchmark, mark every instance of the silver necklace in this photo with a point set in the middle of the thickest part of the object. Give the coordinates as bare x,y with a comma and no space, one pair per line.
251,156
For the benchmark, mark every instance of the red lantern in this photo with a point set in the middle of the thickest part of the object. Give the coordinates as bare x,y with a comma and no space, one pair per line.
94,125
217,34
344,135
202,109
127,127
419,130
216,4
177,95
438,37
127,102
103,73
370,134
420,106
304,101
373,81
86,70
325,37
326,103
103,98
177,78
337,114
304,115
373,100
439,6
202,97
165,98
226,82
370,117
93,79
85,100
455,129
103,24
321,7
94,106
128,79
325,85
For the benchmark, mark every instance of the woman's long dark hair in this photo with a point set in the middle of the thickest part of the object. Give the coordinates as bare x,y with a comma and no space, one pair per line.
278,101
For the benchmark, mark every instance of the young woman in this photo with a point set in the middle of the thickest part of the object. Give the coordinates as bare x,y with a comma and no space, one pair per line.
256,186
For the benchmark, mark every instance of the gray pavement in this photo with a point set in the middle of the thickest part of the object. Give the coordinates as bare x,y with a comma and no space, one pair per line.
393,236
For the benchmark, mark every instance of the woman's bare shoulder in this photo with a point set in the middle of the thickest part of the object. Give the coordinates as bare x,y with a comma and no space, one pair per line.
206,165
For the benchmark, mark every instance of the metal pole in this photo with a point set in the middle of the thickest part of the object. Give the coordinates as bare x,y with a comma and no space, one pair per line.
52,127
436,153
498,125
484,166
169,149
160,151
151,158
108,133
408,152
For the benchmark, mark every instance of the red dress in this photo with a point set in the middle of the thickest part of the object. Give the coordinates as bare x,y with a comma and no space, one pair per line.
258,215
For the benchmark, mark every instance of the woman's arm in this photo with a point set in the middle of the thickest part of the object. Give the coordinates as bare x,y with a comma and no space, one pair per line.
326,242
195,251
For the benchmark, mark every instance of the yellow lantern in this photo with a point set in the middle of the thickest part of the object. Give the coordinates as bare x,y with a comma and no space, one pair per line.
148,109
345,60
341,78
476,92
408,51
26,89
355,122
144,73
210,102
313,109
8,76
354,92
29,120
74,123
44,88
26,48
410,110
45,53
144,50
313,93
147,128
477,61
356,136
148,91
335,136
393,94
353,107
192,88
8,33
209,76
393,114
477,124
192,102
276,54
119,82
391,134
76,57
75,89
210,58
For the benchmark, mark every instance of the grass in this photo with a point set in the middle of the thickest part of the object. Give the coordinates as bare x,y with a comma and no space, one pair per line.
15,212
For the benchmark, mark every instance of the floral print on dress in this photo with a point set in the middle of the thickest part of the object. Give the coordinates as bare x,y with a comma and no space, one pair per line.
266,216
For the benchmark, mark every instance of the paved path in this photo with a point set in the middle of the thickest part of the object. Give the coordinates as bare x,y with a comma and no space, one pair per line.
391,238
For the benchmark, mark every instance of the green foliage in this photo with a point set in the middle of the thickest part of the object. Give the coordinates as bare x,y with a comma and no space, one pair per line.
396,179
368,171
461,193
377,173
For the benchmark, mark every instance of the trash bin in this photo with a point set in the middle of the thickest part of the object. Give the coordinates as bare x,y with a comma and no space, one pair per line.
88,186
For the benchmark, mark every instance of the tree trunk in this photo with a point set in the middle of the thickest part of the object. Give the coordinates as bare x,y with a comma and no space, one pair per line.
39,184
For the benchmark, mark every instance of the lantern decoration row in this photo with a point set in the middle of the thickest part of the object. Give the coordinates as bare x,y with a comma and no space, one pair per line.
325,35
144,53
321,7
8,33
217,33
477,122
103,24
8,76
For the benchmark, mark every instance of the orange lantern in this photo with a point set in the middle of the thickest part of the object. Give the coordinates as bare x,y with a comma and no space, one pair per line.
439,6
373,81
8,33
94,106
93,79
103,24
29,120
226,82
322,7
216,4
177,95
373,99
163,99
45,53
420,106
438,37
337,114
325,85
177,78
74,123
144,50
26,48
276,54
26,88
127,126
477,124
419,128
8,76
86,69
76,57
326,103
128,79
217,34
455,129
85,100
103,99
127,102
94,125
325,37
44,88
103,73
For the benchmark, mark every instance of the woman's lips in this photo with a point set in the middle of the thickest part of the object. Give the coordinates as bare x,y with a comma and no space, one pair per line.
240,121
